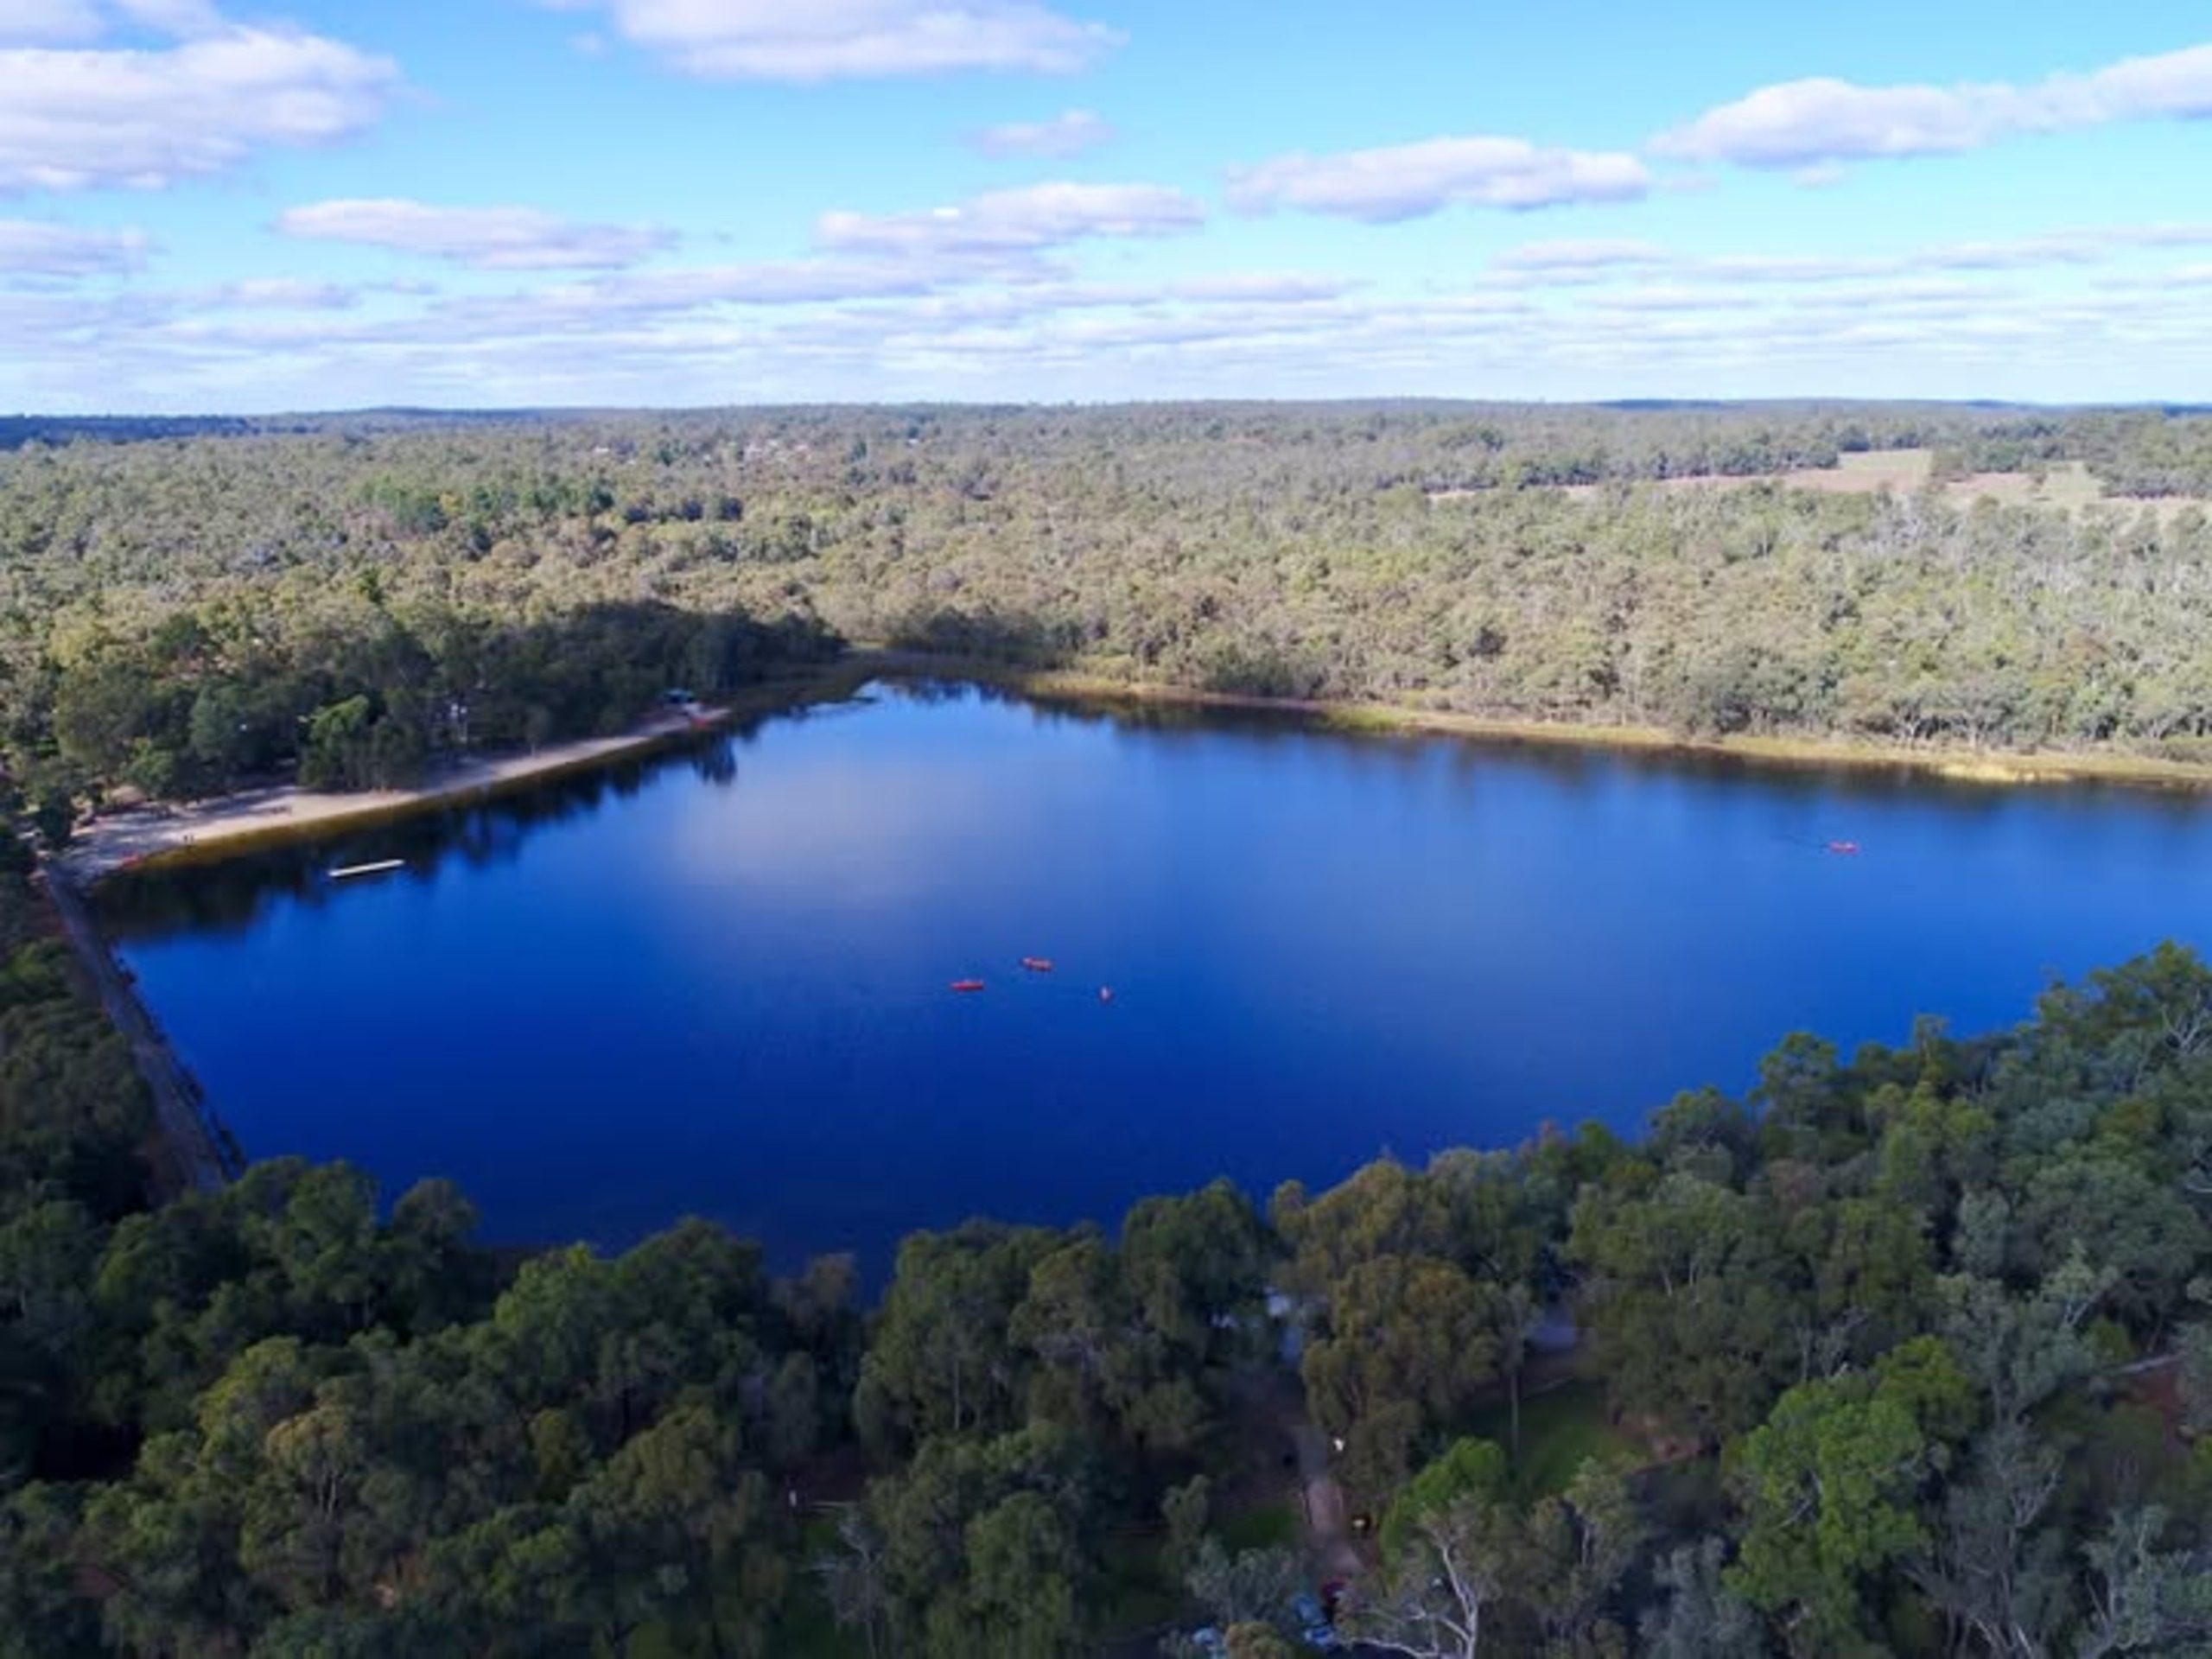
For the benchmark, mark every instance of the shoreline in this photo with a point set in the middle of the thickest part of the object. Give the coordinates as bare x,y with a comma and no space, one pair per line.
1999,766
153,837
226,825
198,1152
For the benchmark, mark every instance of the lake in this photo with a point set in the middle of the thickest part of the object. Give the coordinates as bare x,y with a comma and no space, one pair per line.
718,984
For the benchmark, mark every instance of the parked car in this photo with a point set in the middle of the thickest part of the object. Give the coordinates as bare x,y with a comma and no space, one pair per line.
1314,1626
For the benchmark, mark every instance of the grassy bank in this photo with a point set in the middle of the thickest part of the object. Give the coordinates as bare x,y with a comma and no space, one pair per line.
1963,764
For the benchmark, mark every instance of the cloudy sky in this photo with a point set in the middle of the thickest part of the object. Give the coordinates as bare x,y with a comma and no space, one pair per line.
252,204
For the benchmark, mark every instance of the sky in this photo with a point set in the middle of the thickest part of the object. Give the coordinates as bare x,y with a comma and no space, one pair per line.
251,206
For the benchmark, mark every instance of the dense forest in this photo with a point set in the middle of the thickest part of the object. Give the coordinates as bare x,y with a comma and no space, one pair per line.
357,597
1909,1352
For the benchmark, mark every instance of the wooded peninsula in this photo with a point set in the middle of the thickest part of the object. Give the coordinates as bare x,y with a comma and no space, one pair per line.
1906,1351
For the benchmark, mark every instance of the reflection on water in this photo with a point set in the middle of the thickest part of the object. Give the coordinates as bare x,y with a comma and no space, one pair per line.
717,980
230,896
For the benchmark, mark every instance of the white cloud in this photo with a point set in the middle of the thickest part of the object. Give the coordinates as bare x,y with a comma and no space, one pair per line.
2172,84
832,39
278,294
798,282
1411,180
47,22
1553,264
1580,256
2160,236
1803,124
638,339
490,238
1260,288
1027,220
83,119
1253,290
28,247
1800,268
76,23
652,299
1070,134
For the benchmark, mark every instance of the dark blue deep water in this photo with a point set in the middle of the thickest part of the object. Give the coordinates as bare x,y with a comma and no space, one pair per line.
719,984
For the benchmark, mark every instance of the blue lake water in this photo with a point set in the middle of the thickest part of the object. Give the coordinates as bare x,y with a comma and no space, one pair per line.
718,984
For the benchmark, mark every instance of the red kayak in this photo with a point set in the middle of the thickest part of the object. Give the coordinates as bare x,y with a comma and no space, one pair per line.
1038,964
967,985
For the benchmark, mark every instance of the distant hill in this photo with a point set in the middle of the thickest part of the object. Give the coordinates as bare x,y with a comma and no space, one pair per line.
17,431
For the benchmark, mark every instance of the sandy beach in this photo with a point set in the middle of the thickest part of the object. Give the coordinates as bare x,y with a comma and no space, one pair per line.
224,823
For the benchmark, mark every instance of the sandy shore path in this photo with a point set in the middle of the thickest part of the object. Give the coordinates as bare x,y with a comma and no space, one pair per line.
228,822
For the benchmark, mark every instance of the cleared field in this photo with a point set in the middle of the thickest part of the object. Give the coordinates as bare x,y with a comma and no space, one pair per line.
1857,474
2065,488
